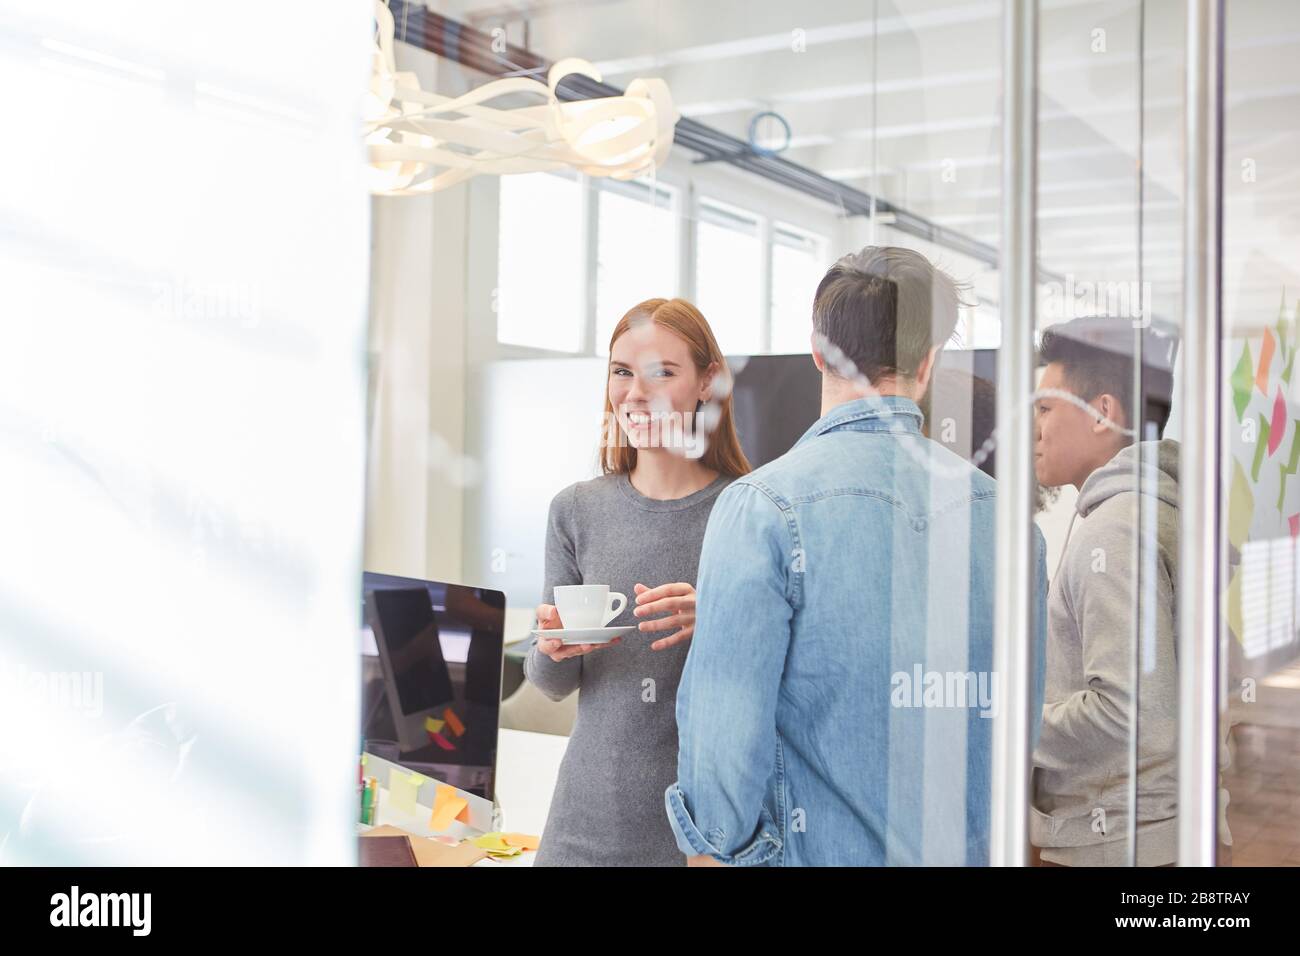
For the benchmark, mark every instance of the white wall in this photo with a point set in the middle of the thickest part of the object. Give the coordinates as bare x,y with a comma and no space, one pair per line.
416,468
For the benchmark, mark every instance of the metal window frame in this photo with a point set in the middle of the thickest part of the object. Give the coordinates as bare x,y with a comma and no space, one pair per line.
1016,567
1201,465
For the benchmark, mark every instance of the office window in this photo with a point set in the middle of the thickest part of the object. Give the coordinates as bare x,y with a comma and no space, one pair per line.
541,264
798,264
636,253
728,271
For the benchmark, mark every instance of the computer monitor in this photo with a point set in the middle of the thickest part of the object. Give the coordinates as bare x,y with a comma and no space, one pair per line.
776,398
439,647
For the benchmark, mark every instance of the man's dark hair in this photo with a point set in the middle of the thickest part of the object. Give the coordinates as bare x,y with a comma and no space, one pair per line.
1096,357
884,308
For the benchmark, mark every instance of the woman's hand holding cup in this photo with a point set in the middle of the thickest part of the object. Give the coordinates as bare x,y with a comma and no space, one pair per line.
548,619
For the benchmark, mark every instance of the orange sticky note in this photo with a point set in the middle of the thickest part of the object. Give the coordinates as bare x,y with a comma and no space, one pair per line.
453,721
1265,360
447,807
522,840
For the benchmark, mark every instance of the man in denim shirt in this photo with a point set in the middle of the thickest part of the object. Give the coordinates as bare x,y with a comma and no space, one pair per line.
836,703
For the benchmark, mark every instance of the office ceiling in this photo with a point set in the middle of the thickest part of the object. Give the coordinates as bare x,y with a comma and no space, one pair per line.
903,97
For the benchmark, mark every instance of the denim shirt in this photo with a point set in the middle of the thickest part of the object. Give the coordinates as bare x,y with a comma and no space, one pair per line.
836,703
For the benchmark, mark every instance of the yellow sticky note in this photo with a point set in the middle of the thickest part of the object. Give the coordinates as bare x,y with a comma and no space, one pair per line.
433,726
493,842
447,806
1241,507
403,788
1234,605
457,727
524,841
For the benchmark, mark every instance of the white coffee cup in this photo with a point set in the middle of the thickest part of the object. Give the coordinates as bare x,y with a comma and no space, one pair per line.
588,605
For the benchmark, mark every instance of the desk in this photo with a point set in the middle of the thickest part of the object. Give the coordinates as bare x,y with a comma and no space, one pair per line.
528,765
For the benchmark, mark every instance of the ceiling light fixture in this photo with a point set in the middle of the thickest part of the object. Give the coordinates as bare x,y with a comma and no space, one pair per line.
420,142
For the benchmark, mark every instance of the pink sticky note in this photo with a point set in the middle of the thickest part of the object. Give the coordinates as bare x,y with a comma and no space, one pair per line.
1278,425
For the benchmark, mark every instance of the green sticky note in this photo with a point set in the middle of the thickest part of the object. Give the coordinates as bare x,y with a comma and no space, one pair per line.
1243,379
1261,443
1289,468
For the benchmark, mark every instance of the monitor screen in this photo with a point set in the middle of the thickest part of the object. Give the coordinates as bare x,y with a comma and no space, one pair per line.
777,398
443,645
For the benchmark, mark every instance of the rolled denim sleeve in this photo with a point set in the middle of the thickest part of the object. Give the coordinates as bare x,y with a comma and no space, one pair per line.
747,590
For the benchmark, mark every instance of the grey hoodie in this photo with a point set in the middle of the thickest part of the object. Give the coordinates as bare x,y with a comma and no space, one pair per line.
1079,811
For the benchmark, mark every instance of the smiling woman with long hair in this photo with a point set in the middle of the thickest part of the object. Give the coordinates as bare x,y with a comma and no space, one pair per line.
669,448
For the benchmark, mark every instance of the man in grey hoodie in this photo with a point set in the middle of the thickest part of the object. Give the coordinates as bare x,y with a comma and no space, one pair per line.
1097,597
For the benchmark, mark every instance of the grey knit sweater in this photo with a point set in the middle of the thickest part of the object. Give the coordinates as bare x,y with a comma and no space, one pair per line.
608,806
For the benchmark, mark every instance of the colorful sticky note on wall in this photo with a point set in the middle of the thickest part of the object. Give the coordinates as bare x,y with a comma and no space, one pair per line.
1241,507
448,806
1278,426
1289,469
403,789
433,726
524,841
1265,359
442,741
1261,445
1241,382
1234,604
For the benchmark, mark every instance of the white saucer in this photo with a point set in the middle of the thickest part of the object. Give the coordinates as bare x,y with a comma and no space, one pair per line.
586,635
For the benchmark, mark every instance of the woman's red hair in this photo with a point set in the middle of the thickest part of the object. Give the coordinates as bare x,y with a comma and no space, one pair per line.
723,453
